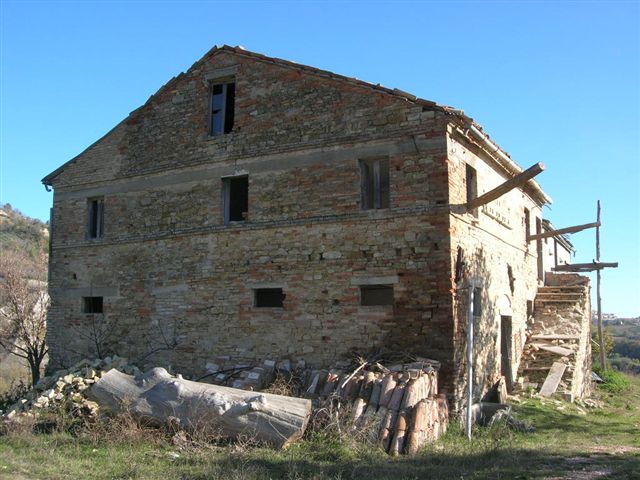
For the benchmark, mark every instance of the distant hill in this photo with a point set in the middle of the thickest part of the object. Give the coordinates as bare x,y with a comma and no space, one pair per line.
21,233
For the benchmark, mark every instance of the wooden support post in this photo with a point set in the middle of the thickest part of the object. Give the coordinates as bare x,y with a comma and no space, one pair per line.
599,299
560,231
507,186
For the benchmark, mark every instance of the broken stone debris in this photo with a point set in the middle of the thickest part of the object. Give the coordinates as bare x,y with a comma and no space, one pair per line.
68,385
400,402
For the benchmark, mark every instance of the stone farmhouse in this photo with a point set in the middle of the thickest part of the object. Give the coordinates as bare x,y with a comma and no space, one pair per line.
261,209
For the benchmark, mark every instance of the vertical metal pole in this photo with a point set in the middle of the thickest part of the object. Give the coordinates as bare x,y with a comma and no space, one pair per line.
599,299
469,360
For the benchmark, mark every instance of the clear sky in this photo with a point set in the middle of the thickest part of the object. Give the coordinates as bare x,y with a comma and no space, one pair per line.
551,81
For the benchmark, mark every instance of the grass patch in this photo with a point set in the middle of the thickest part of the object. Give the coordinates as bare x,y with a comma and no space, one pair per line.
614,381
567,443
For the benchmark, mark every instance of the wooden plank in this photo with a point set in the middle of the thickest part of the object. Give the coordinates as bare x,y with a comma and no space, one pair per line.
561,231
507,186
555,337
552,381
585,267
556,349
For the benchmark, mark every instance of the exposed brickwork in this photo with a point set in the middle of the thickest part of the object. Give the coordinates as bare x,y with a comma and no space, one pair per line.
167,264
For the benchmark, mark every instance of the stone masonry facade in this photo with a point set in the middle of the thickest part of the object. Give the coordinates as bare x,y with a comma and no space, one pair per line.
177,283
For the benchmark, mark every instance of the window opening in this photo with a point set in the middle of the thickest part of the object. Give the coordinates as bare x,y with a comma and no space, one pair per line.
92,304
472,186
539,250
236,199
95,213
376,295
477,302
374,183
527,225
268,297
222,108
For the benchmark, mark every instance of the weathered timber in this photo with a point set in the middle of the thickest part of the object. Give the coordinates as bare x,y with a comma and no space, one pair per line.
554,349
584,267
561,231
555,336
156,396
552,381
507,186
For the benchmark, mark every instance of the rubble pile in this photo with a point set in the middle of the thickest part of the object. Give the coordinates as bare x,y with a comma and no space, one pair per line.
68,385
396,404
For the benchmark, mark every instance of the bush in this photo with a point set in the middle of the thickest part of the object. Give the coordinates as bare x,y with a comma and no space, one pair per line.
614,382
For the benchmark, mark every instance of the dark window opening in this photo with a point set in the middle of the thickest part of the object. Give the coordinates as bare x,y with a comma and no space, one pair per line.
95,220
477,302
529,309
539,250
92,304
527,224
236,199
472,185
376,295
222,108
374,184
269,297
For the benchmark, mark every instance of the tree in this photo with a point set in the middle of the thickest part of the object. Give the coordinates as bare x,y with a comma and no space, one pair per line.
23,308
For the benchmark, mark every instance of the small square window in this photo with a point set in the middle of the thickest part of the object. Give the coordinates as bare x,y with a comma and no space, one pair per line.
376,295
95,217
374,183
92,304
236,198
222,108
269,297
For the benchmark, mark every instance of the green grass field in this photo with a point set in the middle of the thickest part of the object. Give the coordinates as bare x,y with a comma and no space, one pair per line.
569,442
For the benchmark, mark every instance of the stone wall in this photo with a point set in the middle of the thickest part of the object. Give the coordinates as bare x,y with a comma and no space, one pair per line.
497,259
172,273
170,270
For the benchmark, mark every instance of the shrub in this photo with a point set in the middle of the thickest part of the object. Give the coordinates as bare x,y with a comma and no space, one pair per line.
614,382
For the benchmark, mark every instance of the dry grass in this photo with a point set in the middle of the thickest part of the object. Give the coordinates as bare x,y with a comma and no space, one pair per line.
566,444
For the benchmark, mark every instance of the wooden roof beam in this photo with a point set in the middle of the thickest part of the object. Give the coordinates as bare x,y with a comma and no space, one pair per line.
561,231
584,267
515,182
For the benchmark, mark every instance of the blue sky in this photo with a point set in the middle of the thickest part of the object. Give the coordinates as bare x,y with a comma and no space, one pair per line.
550,81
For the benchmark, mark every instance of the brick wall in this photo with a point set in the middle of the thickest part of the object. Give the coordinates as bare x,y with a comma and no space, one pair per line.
167,265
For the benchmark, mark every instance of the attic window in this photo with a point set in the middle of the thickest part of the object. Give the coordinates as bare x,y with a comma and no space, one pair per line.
371,295
95,217
222,108
92,304
236,198
268,297
374,183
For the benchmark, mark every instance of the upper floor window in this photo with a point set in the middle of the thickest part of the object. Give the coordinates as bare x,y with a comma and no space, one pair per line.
222,108
374,174
236,198
472,186
95,217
